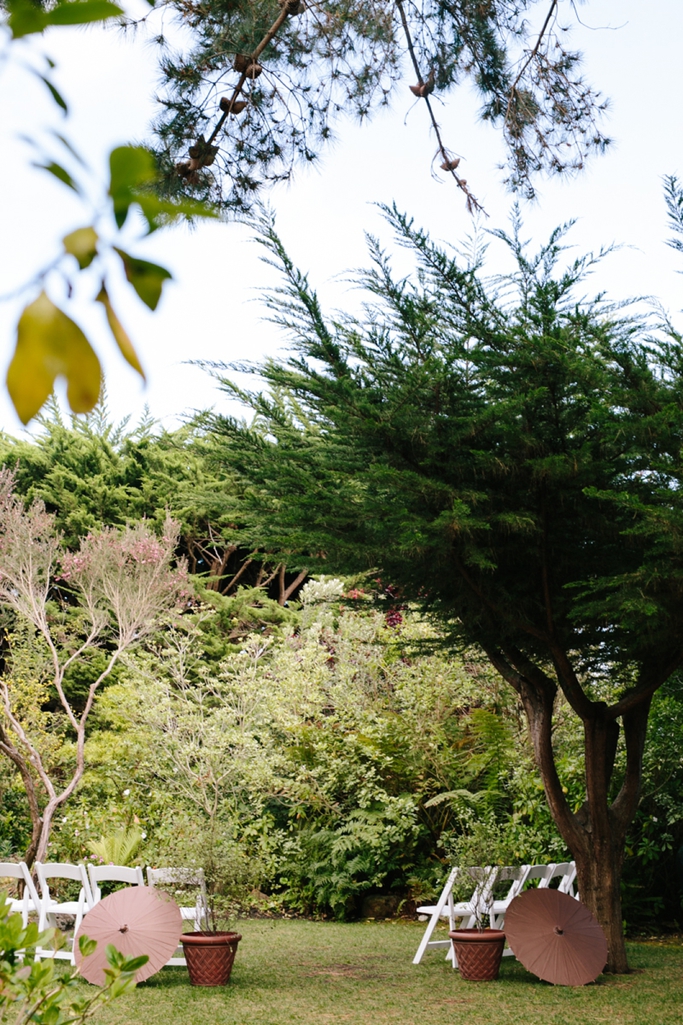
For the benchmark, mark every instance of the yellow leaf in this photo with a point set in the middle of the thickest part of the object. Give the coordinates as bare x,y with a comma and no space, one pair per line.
82,244
51,345
121,337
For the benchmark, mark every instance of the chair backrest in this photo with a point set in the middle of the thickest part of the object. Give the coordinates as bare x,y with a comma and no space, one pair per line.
113,874
484,880
19,871
190,878
544,873
559,870
11,870
176,876
516,875
566,884
63,870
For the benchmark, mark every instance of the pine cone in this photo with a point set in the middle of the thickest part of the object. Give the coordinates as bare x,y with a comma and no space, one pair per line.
423,89
232,106
246,66
292,7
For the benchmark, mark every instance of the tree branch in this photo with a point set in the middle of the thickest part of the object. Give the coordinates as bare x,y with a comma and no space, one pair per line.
626,802
541,35
472,202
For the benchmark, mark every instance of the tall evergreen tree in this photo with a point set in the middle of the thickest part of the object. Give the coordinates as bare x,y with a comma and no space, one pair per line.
508,453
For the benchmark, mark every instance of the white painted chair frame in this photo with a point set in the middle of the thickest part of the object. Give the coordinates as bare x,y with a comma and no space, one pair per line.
50,908
30,902
198,914
447,908
112,874
568,880
517,875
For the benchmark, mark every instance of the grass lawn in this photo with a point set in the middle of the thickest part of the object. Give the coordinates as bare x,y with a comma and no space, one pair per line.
314,973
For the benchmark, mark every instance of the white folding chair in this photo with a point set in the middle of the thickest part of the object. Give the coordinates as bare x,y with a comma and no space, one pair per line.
112,874
483,880
29,903
517,876
184,878
443,907
50,908
567,871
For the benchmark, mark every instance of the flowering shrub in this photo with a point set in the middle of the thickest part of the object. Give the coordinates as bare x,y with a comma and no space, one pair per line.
122,585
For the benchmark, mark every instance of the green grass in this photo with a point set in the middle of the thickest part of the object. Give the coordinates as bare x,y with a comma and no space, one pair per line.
315,973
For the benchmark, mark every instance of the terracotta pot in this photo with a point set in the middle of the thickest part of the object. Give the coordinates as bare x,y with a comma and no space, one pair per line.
479,953
210,956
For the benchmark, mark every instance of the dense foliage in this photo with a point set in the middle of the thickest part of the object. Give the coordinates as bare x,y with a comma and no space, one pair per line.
350,746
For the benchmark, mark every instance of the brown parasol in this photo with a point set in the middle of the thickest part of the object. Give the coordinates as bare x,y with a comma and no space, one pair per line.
556,937
137,920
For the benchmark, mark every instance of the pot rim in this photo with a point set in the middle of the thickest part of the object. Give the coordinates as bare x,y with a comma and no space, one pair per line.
209,939
477,936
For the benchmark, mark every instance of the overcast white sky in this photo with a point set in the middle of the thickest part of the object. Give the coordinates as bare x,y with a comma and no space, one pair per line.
210,311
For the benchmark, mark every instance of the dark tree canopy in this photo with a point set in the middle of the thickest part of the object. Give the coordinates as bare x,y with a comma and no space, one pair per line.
262,83
508,453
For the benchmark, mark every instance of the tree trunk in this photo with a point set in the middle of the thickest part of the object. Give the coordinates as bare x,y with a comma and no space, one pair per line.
598,870
17,758
46,829
596,834
597,838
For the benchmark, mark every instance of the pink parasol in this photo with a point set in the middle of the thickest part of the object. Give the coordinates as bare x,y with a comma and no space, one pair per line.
556,937
136,920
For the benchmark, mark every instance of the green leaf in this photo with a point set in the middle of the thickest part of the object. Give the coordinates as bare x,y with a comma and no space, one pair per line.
67,145
132,964
120,335
158,212
56,95
146,278
61,173
82,244
86,945
82,12
130,168
133,170
114,957
26,18
51,345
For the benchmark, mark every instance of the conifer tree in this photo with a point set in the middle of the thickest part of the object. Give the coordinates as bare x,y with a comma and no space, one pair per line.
506,453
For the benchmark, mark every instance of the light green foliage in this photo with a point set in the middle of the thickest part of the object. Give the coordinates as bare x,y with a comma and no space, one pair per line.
312,757
35,991
118,848
92,473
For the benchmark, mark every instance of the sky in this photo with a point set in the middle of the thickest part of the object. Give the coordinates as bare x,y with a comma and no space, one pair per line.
211,311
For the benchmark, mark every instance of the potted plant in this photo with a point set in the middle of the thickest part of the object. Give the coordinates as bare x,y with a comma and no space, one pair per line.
210,952
477,851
